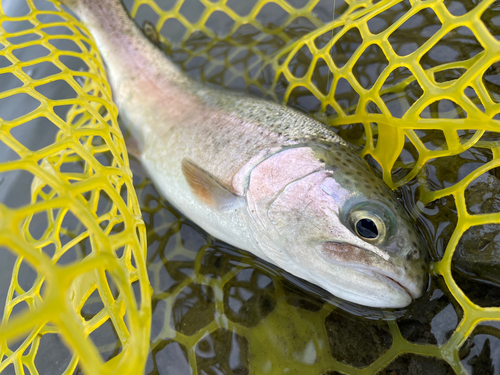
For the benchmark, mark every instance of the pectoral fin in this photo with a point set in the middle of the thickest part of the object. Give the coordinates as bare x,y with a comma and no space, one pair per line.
133,147
208,189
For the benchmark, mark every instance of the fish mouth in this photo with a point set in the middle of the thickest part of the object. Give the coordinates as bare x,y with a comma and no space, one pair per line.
366,262
397,284
391,281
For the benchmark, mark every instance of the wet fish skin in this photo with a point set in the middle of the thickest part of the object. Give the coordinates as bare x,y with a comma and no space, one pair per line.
258,175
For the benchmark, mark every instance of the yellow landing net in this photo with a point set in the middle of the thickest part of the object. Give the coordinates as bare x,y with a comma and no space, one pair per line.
381,72
77,235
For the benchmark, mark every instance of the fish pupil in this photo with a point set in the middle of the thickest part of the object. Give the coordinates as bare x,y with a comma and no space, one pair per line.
366,228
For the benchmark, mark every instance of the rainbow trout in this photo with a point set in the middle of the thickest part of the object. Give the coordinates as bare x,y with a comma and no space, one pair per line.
258,175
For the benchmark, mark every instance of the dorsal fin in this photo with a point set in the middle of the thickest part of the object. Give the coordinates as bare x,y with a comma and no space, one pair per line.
151,33
208,189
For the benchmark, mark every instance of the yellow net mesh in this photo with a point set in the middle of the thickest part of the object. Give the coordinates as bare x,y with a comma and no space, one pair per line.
414,83
74,224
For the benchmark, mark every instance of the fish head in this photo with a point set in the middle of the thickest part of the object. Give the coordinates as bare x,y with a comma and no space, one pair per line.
344,230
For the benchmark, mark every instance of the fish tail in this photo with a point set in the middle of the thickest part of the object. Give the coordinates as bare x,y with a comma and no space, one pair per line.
73,5
122,44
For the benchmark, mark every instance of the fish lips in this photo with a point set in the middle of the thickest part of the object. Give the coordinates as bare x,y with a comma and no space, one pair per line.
370,264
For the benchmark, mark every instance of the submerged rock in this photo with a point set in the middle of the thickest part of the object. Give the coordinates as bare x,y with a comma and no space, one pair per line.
417,364
356,341
222,352
478,253
482,196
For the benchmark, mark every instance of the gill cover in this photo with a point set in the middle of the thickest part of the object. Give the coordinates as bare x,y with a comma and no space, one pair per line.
337,225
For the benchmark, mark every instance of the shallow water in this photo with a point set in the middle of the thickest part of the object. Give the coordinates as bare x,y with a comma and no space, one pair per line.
346,334
215,307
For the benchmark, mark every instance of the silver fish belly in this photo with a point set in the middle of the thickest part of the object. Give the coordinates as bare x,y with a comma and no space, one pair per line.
258,175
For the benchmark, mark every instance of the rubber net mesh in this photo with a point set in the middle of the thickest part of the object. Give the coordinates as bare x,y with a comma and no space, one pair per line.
413,83
75,232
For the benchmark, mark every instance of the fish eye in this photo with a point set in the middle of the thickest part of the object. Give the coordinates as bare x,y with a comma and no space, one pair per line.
366,228
370,223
